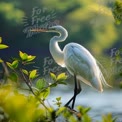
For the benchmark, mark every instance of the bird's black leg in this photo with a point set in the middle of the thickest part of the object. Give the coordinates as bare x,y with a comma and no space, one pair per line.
67,104
77,90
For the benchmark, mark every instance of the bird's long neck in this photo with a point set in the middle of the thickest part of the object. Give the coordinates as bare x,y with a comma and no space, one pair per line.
55,50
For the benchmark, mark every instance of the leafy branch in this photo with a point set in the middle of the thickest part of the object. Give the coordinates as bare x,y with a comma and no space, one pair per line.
40,90
117,11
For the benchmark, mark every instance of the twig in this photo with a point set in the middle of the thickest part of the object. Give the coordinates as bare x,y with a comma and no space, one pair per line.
78,114
28,84
5,68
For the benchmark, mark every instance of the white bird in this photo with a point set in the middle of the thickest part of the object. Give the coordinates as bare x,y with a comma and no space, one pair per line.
78,61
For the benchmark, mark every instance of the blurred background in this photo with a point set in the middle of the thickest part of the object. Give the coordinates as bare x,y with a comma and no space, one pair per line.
89,23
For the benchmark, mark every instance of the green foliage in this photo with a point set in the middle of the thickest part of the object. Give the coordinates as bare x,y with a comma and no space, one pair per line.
18,106
62,6
53,76
81,115
3,115
1,60
87,22
117,11
33,74
41,89
121,84
25,71
58,79
75,116
13,65
61,77
84,112
91,19
40,84
18,66
6,11
58,101
0,39
25,57
2,46
43,94
13,77
108,118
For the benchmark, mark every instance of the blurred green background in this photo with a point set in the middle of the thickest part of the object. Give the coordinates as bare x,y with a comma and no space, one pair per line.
89,23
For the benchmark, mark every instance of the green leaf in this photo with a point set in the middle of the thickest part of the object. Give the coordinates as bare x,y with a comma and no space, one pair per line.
26,57
86,110
61,110
13,77
58,98
107,118
83,110
61,77
30,58
25,71
44,94
53,76
0,39
1,60
3,46
33,74
23,56
53,84
61,82
15,64
117,11
40,84
118,22
114,119
9,65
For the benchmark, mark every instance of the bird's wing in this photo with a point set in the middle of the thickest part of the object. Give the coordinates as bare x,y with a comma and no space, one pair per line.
78,62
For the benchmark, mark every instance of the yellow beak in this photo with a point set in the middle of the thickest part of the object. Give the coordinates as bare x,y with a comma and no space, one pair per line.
38,30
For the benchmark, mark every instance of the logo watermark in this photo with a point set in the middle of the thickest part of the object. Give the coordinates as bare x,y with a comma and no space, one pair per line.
116,56
40,18
115,67
49,65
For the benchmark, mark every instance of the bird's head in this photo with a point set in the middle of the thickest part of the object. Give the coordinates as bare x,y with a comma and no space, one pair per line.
56,28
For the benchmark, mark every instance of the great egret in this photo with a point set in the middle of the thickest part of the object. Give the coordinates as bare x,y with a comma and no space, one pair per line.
78,61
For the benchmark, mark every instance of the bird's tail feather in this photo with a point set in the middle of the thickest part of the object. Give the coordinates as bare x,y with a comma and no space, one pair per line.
104,81
101,67
101,75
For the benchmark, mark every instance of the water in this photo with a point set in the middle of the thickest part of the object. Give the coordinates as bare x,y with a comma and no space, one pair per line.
109,101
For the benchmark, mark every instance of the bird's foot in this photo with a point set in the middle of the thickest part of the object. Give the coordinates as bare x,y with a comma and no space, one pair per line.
68,107
76,113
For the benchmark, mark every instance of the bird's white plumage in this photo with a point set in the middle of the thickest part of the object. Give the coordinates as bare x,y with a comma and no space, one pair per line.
80,62
77,59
